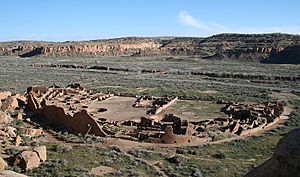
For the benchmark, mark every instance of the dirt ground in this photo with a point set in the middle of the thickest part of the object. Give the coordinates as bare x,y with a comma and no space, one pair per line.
193,110
119,108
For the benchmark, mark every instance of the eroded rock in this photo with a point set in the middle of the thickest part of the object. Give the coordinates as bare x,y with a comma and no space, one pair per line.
27,160
9,173
41,151
4,95
31,131
5,118
3,164
31,158
285,160
18,140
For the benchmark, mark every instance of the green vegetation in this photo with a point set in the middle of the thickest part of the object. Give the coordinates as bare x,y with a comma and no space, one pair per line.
202,109
233,158
64,160
228,159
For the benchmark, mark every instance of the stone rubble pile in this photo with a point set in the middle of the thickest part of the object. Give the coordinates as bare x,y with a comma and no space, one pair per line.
12,128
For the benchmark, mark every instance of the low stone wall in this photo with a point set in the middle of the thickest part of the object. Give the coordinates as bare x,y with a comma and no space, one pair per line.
80,122
262,127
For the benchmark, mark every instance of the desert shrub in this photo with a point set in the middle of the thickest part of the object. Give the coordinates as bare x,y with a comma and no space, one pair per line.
219,155
63,148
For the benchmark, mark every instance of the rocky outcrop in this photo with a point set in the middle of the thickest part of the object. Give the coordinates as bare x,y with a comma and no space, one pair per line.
284,162
9,173
11,116
290,55
31,132
224,46
42,152
3,164
9,105
27,160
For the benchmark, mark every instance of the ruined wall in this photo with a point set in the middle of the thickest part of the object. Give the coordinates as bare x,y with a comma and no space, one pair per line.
79,122
170,138
262,127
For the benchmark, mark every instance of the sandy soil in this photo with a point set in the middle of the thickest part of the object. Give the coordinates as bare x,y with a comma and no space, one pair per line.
196,110
119,108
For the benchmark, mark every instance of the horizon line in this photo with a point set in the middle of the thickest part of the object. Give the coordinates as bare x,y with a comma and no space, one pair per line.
145,36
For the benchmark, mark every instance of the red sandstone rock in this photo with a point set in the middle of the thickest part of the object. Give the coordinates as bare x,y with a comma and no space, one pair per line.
3,164
5,118
31,159
27,160
9,173
31,131
168,137
18,140
4,95
19,116
41,151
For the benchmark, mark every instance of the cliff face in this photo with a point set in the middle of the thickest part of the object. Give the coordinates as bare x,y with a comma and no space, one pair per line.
285,160
223,46
290,55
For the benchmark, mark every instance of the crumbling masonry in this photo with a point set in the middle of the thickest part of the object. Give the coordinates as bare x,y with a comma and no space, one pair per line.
70,108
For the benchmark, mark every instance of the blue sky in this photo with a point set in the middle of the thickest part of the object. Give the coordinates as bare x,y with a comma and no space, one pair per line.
60,20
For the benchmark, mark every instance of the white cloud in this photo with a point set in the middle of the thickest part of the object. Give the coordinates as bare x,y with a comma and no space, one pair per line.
186,19
209,28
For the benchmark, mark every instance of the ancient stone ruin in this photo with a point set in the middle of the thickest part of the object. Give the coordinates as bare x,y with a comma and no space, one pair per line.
66,108
77,110
11,112
247,118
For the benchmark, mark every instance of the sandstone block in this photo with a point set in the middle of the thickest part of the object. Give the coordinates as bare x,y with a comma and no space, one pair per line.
41,151
3,164
27,160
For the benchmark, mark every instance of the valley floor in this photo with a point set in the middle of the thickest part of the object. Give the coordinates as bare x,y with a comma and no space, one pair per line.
185,77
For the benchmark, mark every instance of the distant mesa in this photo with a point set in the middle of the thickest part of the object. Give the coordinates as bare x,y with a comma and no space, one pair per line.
266,48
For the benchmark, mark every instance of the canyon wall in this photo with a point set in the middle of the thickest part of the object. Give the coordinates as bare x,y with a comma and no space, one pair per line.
254,47
290,55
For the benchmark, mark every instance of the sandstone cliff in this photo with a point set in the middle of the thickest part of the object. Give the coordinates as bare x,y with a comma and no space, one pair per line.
254,47
290,55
